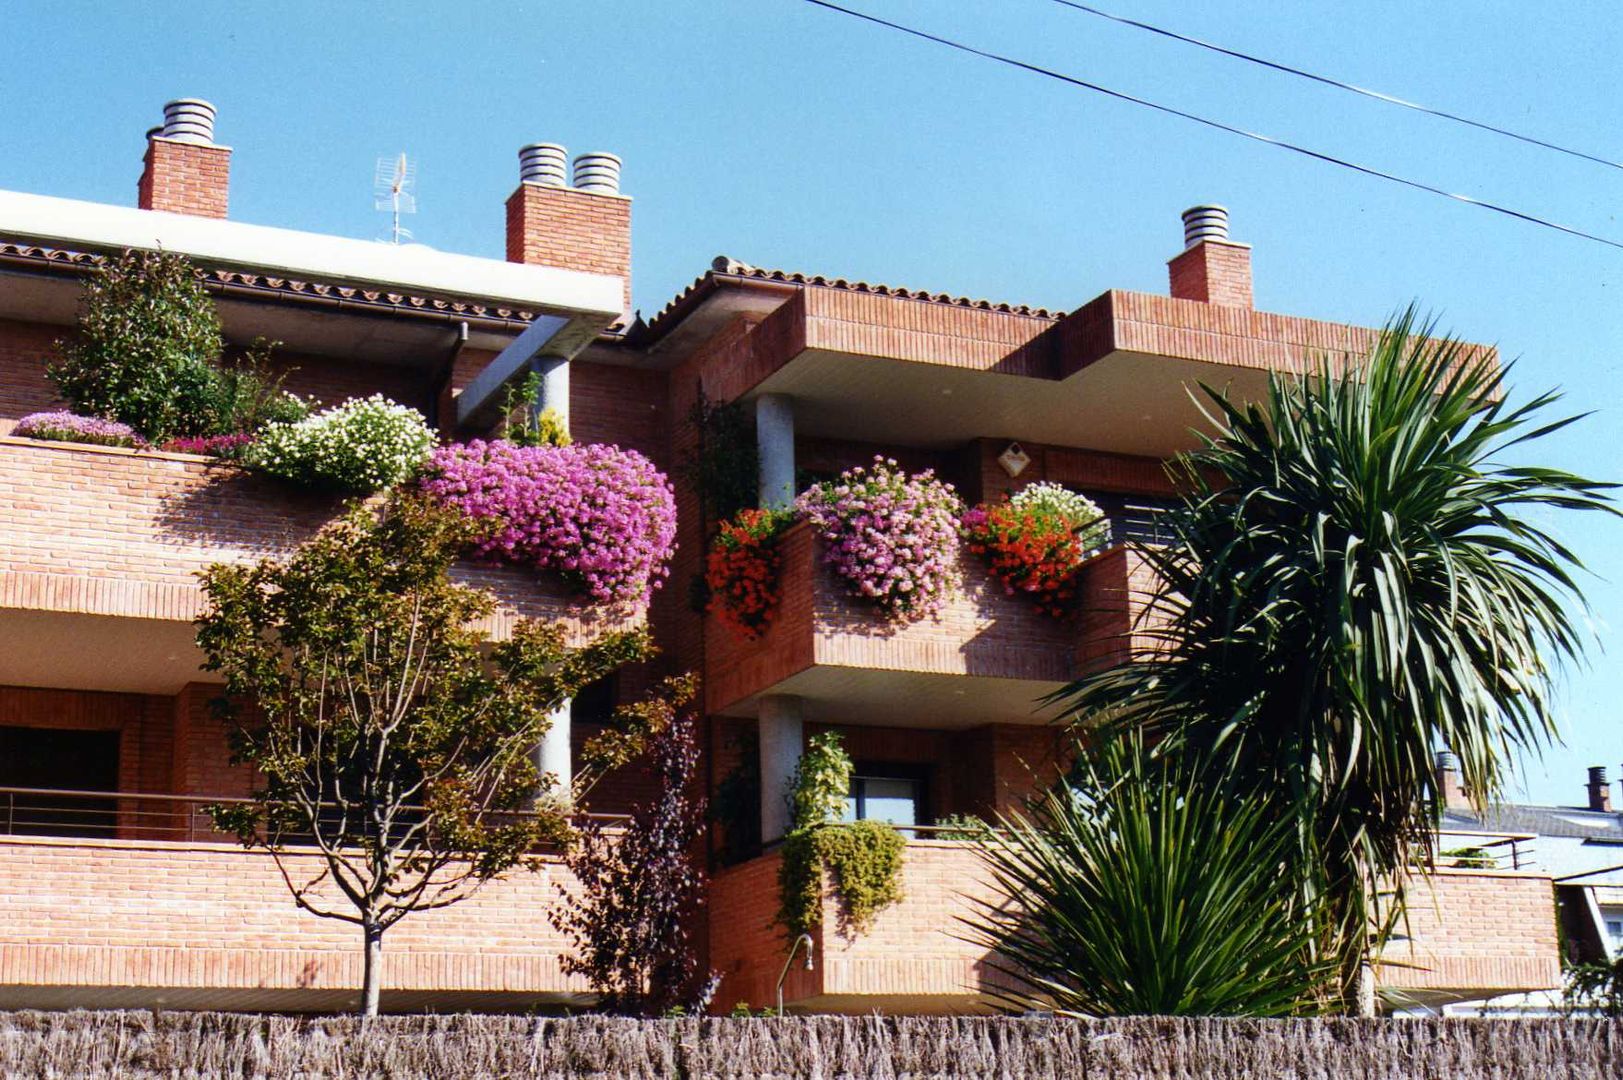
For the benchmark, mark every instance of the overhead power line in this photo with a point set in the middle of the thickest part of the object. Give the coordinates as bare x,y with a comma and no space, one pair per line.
1218,125
1326,80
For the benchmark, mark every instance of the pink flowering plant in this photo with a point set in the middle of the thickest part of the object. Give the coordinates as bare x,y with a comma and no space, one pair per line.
892,535
230,447
602,518
63,426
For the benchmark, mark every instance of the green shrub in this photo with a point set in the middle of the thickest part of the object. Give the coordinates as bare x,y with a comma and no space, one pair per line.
148,337
247,396
1151,887
362,445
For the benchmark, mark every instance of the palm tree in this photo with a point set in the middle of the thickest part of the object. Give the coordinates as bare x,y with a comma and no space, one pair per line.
1143,888
1353,580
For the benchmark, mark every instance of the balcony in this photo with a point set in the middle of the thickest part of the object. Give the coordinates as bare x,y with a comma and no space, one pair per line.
986,658
912,959
98,574
1473,933
136,902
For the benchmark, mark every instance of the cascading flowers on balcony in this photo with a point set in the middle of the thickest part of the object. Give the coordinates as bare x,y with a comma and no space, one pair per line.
362,445
1036,542
602,518
62,426
892,535
741,570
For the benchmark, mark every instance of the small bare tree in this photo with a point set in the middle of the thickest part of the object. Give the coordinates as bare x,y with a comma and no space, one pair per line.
394,740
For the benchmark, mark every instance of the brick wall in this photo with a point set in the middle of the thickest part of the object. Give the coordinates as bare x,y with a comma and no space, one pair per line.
1476,931
107,531
25,349
911,958
214,917
185,178
571,230
330,380
981,632
1213,272
984,480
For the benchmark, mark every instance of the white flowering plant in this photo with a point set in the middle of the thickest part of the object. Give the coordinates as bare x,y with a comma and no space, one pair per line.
1080,512
362,445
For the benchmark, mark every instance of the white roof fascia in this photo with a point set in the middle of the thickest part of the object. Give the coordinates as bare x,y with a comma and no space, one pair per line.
309,256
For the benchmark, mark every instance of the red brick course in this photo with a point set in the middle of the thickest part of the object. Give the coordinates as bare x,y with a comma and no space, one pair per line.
571,230
185,178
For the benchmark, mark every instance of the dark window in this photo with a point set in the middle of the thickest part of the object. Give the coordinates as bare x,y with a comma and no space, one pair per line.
596,701
1134,517
898,794
49,758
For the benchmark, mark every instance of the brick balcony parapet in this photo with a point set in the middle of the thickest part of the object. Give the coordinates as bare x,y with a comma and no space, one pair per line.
113,531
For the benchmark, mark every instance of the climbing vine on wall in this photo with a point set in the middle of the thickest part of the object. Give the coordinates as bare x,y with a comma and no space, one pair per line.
722,469
862,859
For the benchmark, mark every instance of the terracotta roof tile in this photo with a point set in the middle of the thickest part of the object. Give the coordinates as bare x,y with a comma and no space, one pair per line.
725,265
82,261
722,266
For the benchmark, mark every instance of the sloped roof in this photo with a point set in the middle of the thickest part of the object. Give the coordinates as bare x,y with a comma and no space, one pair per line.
1566,821
723,269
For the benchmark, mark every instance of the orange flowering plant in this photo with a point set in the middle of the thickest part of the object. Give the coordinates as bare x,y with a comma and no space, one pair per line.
1036,542
741,570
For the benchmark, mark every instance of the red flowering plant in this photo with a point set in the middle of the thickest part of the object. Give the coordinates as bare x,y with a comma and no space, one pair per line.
1036,542
741,571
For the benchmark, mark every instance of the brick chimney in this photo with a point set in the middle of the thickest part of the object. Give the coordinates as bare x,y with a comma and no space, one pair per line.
1212,268
584,227
1450,785
186,172
1600,792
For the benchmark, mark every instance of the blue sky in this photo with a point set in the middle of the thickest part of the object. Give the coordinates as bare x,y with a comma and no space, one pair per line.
786,136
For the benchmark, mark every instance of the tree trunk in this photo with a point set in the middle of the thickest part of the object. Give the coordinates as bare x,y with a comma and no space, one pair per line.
373,968
1366,1003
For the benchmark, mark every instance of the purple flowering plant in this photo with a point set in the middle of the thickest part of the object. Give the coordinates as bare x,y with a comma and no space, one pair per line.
602,518
892,535
64,426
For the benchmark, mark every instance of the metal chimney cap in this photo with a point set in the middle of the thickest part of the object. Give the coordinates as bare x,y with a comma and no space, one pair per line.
1597,774
189,120
598,172
1447,761
546,164
1206,222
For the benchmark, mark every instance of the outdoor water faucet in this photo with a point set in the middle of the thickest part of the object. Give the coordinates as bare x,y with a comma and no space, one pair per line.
803,938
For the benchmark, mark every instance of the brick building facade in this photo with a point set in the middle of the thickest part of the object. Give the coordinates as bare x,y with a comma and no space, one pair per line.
137,902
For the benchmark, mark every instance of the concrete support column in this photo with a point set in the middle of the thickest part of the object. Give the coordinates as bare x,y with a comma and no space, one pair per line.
782,737
554,395
554,756
775,444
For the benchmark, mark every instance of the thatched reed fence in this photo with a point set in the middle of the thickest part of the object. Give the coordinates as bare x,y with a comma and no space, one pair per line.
180,1045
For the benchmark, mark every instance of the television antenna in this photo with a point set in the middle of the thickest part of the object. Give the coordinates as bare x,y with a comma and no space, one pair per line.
394,184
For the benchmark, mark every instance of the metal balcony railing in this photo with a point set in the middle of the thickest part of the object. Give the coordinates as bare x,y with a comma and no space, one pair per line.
1469,849
133,815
